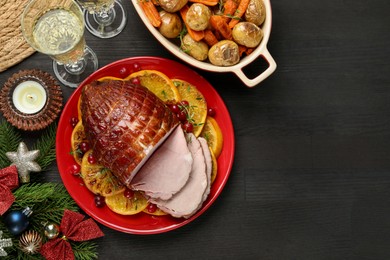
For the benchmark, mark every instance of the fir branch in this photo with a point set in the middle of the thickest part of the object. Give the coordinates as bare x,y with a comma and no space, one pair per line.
9,141
86,250
46,146
47,201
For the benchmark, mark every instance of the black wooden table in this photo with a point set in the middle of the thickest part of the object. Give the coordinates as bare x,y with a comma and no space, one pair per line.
311,175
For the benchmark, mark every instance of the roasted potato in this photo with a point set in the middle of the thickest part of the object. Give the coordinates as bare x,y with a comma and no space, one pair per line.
255,13
171,24
172,6
224,53
247,34
198,17
197,50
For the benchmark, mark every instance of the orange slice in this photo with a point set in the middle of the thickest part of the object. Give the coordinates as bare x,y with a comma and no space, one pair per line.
78,136
197,108
108,78
213,134
158,83
98,179
79,109
127,206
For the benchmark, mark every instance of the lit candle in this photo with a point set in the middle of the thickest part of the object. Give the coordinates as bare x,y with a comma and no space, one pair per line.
29,97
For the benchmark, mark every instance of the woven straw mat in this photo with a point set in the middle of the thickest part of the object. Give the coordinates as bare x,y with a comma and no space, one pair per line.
13,47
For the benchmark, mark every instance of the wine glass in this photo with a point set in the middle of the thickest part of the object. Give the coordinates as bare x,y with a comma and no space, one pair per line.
56,28
104,18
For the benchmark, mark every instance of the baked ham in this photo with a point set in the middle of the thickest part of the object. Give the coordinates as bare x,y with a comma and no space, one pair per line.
124,124
135,135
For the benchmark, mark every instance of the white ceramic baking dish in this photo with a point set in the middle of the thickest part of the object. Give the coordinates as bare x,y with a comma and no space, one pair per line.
260,52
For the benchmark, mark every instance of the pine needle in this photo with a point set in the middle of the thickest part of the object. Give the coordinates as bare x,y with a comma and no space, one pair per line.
47,201
9,141
46,146
85,250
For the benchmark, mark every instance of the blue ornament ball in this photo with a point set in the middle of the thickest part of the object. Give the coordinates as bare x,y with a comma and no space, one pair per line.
17,221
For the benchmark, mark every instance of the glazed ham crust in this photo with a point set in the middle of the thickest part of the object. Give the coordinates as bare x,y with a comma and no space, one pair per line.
124,124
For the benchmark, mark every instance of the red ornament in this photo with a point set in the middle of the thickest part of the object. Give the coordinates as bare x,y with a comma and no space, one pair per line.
74,228
9,180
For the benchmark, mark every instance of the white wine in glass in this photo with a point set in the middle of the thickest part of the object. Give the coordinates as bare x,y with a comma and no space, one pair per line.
56,28
104,18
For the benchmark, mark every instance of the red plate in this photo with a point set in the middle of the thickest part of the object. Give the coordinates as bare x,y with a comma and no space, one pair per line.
142,223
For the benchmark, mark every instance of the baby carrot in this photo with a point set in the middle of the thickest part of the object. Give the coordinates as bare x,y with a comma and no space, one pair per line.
239,12
229,8
209,38
205,2
219,24
151,12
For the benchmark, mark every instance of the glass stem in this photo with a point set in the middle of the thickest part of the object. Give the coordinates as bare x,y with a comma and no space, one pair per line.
76,67
105,17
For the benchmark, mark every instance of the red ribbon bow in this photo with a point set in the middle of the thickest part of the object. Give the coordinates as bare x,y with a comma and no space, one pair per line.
73,227
9,180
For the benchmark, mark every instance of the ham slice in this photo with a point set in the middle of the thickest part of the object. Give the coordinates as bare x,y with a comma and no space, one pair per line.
209,165
168,170
190,198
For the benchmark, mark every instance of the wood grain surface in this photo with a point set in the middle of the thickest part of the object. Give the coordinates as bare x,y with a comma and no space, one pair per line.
311,176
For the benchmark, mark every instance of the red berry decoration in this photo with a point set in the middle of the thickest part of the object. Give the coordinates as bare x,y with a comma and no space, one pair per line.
184,103
84,147
74,169
175,108
99,201
91,159
123,71
128,193
74,121
135,81
136,67
151,208
182,116
211,112
188,127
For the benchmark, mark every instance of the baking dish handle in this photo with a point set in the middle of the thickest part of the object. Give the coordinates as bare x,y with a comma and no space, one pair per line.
253,82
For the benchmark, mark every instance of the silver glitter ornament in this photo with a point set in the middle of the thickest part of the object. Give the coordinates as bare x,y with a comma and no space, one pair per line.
4,242
24,161
52,230
30,242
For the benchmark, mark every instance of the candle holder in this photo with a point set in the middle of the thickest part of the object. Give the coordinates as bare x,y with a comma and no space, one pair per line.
30,116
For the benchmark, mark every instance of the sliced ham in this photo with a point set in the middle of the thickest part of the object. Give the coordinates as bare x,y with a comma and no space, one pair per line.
190,198
167,170
209,165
